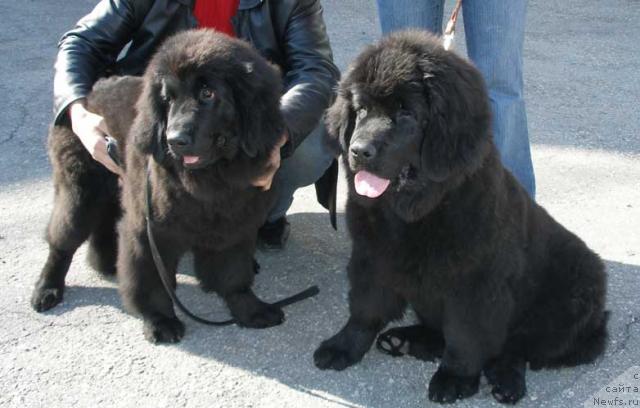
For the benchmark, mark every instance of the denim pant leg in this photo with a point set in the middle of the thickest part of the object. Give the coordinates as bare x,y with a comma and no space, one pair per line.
398,14
304,167
494,31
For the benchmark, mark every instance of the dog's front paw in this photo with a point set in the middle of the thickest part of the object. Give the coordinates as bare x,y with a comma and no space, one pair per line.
336,354
166,330
446,387
508,386
264,316
510,390
44,298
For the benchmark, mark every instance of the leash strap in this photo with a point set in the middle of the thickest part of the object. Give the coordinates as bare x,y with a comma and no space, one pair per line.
450,30
166,279
112,150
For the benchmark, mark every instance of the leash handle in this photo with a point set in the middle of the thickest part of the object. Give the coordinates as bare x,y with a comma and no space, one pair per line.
166,280
113,151
450,30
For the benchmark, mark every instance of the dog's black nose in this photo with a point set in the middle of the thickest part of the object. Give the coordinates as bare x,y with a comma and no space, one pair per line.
362,150
178,139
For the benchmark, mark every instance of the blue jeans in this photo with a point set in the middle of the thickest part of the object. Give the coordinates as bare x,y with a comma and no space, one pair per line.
304,167
495,35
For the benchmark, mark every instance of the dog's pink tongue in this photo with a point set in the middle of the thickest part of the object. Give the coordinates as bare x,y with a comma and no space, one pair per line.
190,159
370,185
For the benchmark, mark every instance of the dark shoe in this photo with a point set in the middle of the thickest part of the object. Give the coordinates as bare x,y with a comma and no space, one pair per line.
272,236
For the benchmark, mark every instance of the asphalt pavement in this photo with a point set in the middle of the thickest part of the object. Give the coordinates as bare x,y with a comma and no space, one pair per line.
583,98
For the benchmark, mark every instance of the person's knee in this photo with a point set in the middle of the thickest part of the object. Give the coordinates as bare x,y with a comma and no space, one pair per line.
309,160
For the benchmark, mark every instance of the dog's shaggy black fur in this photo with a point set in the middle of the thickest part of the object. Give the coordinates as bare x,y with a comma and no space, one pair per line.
495,281
207,118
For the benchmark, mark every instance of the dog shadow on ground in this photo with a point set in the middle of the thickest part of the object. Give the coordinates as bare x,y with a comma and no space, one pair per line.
317,255
77,297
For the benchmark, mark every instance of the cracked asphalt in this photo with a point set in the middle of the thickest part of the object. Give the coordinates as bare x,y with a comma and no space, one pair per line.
583,96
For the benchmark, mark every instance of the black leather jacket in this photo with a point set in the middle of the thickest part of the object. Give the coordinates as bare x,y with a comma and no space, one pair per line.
290,33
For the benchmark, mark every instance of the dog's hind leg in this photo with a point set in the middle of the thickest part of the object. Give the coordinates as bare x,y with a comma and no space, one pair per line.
475,331
103,242
567,323
418,341
74,216
140,285
588,346
230,273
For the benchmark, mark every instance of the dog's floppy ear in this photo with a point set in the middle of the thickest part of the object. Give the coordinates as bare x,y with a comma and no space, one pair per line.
457,134
257,88
340,121
149,127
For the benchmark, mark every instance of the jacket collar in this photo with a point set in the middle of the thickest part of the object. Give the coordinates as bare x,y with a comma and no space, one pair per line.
243,5
249,4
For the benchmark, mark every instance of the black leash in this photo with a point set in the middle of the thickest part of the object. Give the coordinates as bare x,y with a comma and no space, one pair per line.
166,280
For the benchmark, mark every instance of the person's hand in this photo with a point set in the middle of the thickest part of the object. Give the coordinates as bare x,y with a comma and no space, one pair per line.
91,130
273,164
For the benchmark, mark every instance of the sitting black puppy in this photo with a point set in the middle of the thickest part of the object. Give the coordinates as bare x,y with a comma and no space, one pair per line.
440,225
206,119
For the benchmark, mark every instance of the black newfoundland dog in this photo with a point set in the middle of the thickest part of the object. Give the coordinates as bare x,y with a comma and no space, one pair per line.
439,224
205,122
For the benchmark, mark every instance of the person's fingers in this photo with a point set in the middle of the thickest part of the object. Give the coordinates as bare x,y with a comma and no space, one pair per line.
101,155
113,167
275,153
104,159
91,129
273,165
274,160
265,180
261,182
282,141
102,125
91,137
266,185
99,145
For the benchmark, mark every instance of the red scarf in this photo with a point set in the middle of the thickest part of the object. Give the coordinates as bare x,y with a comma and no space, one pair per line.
216,14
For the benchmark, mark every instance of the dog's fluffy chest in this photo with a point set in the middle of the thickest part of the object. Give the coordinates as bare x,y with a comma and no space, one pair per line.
209,223
422,261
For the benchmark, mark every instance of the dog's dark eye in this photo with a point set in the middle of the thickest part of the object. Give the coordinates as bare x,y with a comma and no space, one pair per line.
206,93
165,95
403,111
221,141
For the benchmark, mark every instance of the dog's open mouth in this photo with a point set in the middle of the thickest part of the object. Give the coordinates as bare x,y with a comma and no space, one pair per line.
195,162
189,160
370,185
